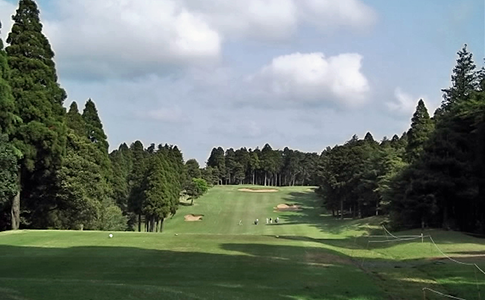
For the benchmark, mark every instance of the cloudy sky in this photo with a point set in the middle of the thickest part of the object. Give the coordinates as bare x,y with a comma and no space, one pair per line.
299,73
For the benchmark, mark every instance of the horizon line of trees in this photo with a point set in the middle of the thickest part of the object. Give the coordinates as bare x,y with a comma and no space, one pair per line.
265,167
433,175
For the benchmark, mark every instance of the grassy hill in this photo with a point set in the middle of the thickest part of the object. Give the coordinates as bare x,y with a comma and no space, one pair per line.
308,255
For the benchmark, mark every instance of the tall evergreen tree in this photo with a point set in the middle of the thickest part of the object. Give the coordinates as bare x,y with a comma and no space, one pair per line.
39,103
463,79
136,181
75,121
418,134
94,127
8,153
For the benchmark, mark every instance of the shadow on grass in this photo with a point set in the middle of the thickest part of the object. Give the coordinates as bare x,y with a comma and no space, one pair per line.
313,214
245,271
269,272
398,279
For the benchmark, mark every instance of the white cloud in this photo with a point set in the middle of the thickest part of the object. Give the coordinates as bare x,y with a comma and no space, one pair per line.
131,38
279,19
114,38
7,9
265,19
405,104
313,78
330,14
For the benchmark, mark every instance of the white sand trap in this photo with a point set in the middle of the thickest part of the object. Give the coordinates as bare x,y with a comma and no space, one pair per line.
286,207
258,191
192,218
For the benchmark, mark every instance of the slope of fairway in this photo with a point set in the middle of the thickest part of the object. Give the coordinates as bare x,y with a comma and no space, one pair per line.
308,255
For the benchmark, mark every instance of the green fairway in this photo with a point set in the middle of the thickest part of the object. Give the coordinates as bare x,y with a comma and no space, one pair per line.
307,255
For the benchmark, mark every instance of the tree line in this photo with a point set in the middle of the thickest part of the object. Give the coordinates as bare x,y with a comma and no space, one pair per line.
264,166
55,167
431,175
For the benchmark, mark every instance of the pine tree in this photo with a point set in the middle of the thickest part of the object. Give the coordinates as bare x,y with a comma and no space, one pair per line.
94,127
75,121
9,154
464,80
95,134
38,102
418,134
136,181
7,104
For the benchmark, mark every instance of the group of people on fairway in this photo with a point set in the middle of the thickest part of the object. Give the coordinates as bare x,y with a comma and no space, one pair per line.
268,221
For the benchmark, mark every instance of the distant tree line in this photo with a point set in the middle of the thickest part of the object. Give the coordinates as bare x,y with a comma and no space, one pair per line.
263,167
432,175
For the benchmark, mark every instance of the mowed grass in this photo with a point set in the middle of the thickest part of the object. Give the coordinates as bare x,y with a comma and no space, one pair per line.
308,255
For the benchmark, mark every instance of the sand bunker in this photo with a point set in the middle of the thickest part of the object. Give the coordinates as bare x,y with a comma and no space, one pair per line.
192,218
258,191
287,207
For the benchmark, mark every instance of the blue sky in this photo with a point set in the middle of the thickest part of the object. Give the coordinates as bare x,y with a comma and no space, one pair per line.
306,74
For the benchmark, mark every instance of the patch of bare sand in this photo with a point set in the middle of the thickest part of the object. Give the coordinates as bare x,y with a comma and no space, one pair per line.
325,259
258,191
192,218
287,207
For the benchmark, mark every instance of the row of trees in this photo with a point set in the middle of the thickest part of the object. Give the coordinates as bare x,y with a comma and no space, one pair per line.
433,175
264,167
148,183
55,169
55,166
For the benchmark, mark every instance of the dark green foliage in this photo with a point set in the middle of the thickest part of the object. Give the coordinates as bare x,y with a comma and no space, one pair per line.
217,161
441,186
196,188
38,103
8,118
463,79
75,121
418,134
81,190
354,179
93,127
136,180
8,170
193,169
122,165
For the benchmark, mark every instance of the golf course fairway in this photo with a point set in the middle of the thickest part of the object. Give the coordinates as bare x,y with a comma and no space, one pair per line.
222,254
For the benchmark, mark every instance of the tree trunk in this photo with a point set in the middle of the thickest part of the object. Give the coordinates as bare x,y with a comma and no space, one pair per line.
139,222
265,178
341,208
253,177
377,207
191,201
161,224
16,211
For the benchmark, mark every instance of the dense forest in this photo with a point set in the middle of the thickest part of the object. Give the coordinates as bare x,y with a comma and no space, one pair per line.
433,175
56,170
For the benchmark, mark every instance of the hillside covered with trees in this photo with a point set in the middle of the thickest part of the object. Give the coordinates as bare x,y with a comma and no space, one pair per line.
56,170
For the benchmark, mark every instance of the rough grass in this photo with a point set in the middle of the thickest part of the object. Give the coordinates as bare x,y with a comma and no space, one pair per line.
314,257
